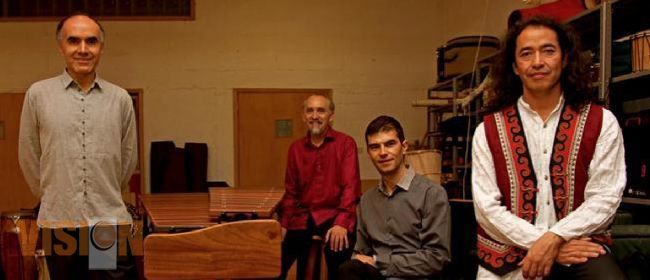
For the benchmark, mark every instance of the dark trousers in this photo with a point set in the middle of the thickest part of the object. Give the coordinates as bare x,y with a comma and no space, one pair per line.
603,267
356,270
297,243
73,264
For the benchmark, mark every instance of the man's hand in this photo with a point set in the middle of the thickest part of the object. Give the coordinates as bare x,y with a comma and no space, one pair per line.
541,256
337,236
364,259
578,251
284,233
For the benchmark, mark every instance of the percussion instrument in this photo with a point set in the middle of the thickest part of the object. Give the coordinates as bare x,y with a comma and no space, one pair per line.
640,51
560,10
18,244
226,203
457,56
426,163
177,212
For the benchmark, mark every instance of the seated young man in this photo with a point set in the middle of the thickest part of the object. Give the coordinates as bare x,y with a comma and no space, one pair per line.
403,223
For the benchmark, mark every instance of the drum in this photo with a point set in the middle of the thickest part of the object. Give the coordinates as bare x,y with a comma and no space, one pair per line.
640,51
18,245
425,163
560,10
459,54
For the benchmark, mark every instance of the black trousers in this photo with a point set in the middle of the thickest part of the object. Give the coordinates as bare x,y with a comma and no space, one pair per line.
357,270
603,267
65,263
297,243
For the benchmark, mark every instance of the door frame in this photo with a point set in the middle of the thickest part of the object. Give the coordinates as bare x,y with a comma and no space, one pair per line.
238,91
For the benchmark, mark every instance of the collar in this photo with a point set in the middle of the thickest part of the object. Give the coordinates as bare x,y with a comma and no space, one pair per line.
404,182
67,81
525,106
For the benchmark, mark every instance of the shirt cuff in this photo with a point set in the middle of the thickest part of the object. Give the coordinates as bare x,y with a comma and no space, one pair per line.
344,222
558,233
382,262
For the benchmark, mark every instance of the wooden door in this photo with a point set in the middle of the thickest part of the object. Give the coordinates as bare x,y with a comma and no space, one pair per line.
266,122
14,192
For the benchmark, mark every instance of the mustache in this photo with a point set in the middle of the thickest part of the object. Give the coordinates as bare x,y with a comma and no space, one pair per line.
539,72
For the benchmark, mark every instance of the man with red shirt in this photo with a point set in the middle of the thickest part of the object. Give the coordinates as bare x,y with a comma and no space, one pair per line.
322,190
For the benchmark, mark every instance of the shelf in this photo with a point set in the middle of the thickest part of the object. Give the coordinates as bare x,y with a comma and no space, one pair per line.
634,200
632,76
630,86
463,81
444,108
474,113
636,106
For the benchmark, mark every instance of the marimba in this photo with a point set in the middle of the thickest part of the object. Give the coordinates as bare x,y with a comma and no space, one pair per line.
175,212
250,249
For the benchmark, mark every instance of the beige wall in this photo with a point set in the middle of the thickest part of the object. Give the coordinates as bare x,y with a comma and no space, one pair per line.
473,17
376,55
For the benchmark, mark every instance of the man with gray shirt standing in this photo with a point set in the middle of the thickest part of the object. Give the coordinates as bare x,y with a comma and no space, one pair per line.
403,225
77,149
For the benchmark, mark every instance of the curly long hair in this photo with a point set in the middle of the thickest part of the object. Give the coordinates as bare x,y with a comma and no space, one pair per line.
574,79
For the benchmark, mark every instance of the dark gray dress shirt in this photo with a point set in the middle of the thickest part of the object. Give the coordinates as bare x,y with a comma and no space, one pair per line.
407,232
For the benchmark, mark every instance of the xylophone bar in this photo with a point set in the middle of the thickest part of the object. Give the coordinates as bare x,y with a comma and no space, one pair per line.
233,201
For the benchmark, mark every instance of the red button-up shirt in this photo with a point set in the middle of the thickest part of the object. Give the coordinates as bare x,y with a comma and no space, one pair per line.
322,182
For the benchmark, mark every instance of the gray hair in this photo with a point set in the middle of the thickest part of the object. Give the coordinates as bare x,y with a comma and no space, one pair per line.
62,22
331,103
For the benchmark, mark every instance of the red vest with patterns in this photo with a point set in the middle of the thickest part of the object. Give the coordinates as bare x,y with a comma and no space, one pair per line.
573,148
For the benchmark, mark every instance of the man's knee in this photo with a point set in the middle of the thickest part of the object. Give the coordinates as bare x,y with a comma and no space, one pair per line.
354,269
350,269
603,267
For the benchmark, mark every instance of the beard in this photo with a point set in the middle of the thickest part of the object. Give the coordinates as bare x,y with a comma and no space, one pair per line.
318,129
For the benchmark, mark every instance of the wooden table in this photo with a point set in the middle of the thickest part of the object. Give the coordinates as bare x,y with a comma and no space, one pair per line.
175,212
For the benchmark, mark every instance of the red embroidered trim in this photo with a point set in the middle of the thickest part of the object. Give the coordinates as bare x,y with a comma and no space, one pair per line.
526,188
561,172
498,258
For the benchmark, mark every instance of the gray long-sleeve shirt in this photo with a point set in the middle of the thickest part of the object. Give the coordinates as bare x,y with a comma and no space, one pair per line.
77,150
408,232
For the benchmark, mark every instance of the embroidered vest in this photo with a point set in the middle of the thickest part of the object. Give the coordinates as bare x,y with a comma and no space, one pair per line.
573,148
